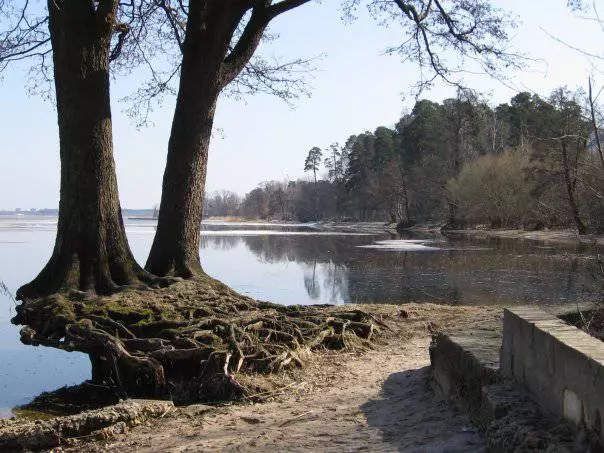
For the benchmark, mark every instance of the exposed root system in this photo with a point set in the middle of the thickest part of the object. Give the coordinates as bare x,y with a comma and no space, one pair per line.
194,341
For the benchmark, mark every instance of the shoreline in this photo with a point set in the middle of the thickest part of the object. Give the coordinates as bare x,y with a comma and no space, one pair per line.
356,227
376,399
565,237
321,225
337,401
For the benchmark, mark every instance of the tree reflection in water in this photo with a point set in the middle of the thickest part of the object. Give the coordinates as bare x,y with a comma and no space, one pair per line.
220,242
310,281
334,269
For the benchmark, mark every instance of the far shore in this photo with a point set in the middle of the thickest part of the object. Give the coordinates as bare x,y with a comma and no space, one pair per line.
547,236
560,237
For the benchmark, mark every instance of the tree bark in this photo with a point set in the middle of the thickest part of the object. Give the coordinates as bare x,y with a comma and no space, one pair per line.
91,252
175,249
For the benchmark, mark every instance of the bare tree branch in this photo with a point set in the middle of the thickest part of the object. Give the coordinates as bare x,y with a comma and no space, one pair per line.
246,45
284,6
262,13
148,36
473,32
177,26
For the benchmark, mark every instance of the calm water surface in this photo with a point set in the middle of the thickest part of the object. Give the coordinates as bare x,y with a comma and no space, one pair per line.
294,264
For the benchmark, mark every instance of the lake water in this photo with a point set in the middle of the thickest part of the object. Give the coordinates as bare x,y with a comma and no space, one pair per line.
295,264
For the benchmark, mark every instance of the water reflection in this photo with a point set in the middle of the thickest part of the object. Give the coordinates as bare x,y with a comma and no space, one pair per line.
220,242
25,371
345,269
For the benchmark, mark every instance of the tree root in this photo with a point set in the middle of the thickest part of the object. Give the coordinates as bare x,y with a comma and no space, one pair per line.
116,274
193,341
100,423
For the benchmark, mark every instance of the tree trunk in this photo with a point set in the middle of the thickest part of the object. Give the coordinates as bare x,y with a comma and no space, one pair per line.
594,125
175,249
91,252
209,64
405,199
570,190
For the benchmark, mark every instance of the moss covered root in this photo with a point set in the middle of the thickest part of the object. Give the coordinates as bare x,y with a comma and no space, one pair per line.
194,341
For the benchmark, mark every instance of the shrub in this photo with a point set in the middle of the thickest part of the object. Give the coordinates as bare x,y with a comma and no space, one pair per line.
493,189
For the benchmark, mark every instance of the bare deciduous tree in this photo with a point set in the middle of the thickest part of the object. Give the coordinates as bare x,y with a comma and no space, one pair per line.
208,47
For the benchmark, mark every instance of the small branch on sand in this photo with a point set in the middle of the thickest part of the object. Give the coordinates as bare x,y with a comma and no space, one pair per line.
18,435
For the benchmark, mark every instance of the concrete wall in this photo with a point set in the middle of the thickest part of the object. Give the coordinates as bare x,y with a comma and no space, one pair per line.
462,364
560,365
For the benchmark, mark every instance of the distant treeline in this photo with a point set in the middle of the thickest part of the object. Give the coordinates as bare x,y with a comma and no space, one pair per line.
33,211
528,163
53,212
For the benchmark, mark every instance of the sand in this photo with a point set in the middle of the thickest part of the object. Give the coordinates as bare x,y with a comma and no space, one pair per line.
379,400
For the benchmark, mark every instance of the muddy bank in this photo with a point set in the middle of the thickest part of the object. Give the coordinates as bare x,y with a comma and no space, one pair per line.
567,237
559,237
356,227
323,225
378,399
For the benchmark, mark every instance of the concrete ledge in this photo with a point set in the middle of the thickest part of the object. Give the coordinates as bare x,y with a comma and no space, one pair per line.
561,366
466,371
462,364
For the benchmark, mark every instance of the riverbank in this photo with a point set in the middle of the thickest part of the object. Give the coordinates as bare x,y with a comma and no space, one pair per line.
356,227
324,225
374,399
563,237
380,399
559,237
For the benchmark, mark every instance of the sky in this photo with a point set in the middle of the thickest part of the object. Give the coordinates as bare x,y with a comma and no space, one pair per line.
355,88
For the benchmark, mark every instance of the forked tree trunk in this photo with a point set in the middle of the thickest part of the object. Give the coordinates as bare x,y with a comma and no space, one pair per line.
175,249
209,64
91,252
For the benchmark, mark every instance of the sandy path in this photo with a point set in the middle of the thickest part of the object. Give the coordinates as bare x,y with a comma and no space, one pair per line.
378,401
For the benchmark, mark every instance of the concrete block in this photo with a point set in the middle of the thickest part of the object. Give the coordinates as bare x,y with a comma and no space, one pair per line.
573,407
463,363
560,365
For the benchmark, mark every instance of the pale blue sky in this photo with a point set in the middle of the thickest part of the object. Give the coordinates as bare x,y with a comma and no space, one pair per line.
355,88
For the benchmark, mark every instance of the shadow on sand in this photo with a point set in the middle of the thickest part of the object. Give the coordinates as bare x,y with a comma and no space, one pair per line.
413,419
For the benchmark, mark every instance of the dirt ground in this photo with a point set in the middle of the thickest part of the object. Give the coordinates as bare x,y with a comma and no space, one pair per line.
376,400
